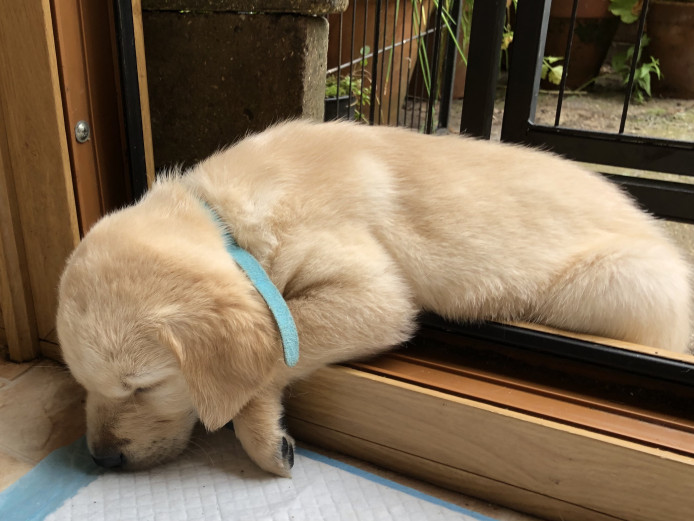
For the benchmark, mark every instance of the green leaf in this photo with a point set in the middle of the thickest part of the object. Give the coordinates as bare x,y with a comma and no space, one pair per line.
551,72
627,10
555,74
645,84
506,40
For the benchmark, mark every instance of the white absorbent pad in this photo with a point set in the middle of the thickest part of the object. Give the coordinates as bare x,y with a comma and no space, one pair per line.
215,482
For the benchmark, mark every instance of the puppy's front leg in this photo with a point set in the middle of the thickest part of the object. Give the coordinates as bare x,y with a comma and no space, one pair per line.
348,300
259,429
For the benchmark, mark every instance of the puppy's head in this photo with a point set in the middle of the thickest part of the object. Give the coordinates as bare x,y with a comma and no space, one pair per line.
160,333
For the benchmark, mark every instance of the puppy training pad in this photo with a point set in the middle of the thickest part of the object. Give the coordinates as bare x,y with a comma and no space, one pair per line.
216,481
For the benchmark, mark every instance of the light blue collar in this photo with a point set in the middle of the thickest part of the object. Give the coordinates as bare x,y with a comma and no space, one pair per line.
273,298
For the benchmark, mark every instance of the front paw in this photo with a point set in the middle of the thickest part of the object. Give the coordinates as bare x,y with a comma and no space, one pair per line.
287,451
260,429
271,452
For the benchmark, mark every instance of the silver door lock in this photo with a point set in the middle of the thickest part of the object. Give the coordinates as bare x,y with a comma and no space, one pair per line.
82,131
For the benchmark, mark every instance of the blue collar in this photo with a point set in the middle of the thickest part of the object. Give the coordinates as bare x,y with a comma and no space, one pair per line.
273,298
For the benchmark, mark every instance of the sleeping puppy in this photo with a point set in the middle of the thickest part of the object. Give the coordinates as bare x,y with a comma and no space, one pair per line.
359,228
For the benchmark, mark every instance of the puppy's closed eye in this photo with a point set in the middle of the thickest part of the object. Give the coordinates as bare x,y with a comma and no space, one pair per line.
139,390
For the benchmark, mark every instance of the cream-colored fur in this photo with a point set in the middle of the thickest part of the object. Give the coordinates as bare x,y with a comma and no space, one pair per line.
360,228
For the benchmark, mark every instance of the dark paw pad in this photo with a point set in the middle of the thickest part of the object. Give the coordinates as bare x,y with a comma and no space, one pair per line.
287,452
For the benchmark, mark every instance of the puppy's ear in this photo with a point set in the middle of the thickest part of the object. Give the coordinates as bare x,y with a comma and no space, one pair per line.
228,351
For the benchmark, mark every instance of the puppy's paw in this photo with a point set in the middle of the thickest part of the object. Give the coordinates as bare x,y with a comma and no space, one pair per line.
262,435
273,452
287,451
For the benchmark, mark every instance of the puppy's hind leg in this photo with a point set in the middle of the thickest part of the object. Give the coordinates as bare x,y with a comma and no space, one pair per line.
632,290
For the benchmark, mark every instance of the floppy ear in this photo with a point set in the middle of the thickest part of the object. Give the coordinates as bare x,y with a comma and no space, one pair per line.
228,351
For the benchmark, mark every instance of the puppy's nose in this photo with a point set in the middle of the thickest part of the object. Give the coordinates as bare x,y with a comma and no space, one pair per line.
110,459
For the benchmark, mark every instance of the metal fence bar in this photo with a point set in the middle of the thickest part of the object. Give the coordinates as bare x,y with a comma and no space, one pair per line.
526,66
391,61
483,67
634,61
433,74
657,155
351,61
449,65
421,53
672,201
363,47
130,87
384,79
410,61
567,59
402,55
570,348
339,71
374,65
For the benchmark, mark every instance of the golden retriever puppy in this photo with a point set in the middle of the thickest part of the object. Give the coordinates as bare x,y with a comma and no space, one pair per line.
359,228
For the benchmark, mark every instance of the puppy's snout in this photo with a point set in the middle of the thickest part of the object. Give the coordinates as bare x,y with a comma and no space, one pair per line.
110,458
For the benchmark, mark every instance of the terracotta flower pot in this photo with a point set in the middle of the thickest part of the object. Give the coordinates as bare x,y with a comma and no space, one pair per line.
671,30
593,33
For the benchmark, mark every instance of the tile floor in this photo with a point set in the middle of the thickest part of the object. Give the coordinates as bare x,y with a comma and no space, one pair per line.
41,409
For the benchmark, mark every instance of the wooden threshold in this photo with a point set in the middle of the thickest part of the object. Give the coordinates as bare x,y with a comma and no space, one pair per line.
554,437
597,413
542,467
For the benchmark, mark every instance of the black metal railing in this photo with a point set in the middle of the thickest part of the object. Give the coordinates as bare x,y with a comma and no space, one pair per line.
418,35
672,200
394,62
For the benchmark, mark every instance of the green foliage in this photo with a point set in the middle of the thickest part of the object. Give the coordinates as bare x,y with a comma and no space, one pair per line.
352,86
551,70
346,86
419,19
507,36
621,64
627,10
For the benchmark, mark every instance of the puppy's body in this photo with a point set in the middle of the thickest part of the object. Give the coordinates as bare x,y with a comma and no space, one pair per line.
360,228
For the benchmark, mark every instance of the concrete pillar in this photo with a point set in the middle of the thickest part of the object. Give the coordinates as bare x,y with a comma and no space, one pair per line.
217,69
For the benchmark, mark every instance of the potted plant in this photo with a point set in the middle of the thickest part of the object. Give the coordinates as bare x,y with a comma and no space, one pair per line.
671,28
629,12
339,97
345,99
349,96
595,27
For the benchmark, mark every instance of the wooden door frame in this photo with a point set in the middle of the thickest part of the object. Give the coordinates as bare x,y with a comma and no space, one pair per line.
40,228
45,179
